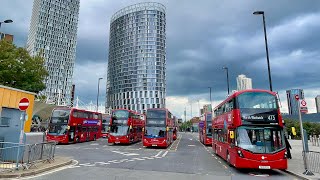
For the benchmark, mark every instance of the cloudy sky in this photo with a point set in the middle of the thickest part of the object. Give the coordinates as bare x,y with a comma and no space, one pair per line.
202,37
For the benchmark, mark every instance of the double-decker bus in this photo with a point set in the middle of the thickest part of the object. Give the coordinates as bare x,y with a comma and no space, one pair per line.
175,127
205,128
125,127
248,131
158,130
105,125
71,125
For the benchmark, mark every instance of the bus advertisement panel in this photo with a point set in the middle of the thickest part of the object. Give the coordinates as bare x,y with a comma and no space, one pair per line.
159,128
125,127
248,130
71,125
205,129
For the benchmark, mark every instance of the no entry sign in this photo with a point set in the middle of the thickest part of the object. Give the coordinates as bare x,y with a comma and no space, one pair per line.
24,104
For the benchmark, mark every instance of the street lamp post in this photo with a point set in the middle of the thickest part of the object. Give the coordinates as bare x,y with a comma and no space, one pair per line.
266,43
210,98
227,71
98,93
6,21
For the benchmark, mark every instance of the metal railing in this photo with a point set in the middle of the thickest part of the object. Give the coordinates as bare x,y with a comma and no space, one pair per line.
17,156
313,162
315,140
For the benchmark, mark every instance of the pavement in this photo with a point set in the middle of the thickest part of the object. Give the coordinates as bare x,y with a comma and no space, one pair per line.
295,165
185,159
38,168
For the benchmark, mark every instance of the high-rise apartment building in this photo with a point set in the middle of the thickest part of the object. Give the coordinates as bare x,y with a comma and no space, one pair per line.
293,103
53,31
137,58
318,103
243,82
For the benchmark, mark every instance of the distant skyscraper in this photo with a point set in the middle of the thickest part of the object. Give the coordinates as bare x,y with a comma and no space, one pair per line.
292,102
53,30
137,58
318,103
243,82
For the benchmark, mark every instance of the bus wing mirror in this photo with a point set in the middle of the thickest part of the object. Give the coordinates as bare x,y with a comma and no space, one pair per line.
231,134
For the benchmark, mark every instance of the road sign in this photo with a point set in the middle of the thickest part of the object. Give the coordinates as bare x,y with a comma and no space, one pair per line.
24,104
297,97
303,106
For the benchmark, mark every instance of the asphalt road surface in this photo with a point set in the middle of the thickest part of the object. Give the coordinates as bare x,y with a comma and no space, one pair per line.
185,159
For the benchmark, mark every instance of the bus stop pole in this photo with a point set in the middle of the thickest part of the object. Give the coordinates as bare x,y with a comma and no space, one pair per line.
307,172
22,120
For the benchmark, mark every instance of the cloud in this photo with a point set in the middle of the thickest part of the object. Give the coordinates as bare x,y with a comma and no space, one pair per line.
202,37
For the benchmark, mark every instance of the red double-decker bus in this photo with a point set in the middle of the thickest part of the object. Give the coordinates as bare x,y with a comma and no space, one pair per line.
71,125
205,128
125,127
248,131
105,125
175,127
158,130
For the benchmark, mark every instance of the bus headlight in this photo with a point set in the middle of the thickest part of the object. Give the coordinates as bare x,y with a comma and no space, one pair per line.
285,155
240,153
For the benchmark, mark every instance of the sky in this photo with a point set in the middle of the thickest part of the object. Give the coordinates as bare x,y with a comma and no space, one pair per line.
202,37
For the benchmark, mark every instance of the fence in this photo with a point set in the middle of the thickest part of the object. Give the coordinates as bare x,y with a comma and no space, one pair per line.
315,140
13,155
313,161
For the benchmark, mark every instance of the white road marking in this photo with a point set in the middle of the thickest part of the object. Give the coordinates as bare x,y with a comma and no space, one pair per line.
87,164
126,153
148,158
138,159
102,163
122,160
191,145
158,154
94,144
130,160
190,139
73,165
165,153
112,161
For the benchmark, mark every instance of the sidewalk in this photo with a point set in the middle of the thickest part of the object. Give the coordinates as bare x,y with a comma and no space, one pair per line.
295,165
37,169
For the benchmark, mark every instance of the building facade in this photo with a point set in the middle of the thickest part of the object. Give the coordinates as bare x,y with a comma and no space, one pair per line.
7,37
136,77
318,103
292,102
53,34
243,82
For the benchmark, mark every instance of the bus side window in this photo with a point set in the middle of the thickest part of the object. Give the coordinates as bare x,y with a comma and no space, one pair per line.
75,113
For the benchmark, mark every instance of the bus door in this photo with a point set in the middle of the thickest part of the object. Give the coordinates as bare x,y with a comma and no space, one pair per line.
88,133
72,133
78,133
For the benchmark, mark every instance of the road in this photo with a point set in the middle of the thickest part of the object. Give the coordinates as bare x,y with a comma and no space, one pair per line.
186,159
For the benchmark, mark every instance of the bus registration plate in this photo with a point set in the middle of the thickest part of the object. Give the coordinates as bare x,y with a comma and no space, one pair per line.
264,167
154,145
117,142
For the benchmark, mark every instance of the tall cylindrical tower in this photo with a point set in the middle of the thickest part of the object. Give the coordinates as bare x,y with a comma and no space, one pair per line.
137,58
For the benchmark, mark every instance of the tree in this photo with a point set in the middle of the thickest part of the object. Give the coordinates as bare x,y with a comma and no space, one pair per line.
20,70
